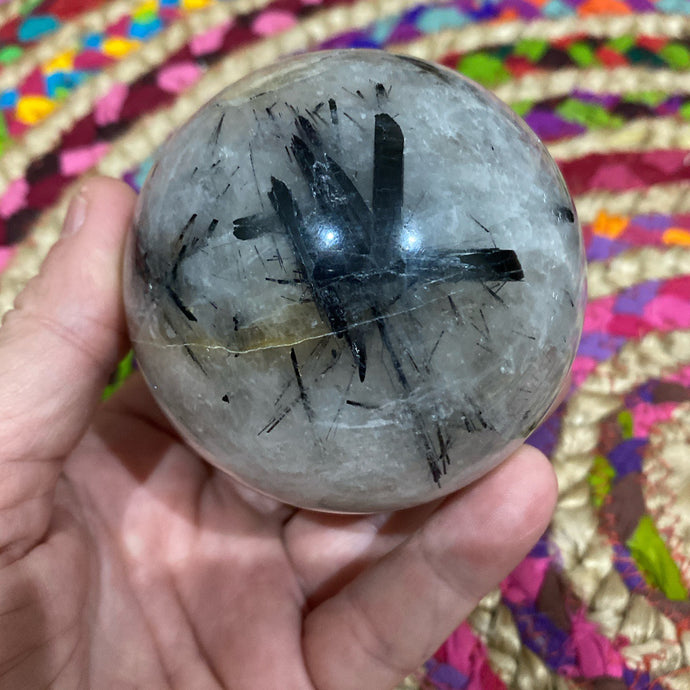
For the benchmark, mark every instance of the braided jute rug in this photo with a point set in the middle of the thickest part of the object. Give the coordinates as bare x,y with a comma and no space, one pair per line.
602,600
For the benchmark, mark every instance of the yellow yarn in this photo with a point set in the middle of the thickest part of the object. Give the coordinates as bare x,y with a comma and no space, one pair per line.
117,47
61,62
33,109
65,38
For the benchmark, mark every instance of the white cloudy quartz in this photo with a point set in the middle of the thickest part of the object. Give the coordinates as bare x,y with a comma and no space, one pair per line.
355,281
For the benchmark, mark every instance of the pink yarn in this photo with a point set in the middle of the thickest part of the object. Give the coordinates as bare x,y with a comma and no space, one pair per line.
680,285
596,656
178,77
599,314
6,253
272,22
524,583
78,160
210,41
668,312
667,161
582,368
14,197
647,415
464,651
615,177
628,325
107,109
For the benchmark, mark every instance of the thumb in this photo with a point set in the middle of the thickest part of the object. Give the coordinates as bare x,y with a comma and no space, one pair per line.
57,348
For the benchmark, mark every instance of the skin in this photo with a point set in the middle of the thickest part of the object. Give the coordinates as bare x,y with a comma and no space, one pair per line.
128,562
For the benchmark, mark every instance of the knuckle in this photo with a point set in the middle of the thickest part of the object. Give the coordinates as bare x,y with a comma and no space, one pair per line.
376,644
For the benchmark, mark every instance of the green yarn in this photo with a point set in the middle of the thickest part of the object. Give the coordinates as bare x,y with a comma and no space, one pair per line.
625,421
582,54
10,54
650,98
29,6
600,478
654,560
522,107
621,44
531,48
124,369
484,68
588,114
677,56
61,93
145,16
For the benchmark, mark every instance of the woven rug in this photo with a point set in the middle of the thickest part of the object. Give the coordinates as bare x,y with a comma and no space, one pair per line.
602,600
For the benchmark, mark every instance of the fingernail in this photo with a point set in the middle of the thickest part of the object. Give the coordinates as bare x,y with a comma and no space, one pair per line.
76,214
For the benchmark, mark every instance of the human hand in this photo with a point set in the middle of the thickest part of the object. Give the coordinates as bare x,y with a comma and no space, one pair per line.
127,561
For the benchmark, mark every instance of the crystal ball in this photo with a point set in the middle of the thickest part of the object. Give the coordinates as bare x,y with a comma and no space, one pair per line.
355,281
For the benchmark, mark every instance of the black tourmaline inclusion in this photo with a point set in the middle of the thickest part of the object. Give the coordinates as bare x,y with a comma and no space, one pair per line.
370,268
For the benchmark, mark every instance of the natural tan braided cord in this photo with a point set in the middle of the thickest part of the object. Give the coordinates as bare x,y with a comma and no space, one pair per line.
620,80
478,36
43,137
46,134
669,198
636,266
9,11
589,559
516,665
504,652
151,131
653,641
586,554
644,134
63,39
667,484
148,134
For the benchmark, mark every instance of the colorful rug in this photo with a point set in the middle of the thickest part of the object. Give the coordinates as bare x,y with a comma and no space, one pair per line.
602,601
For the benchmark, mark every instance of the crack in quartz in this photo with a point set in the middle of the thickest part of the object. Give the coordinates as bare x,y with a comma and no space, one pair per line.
363,263
310,338
270,257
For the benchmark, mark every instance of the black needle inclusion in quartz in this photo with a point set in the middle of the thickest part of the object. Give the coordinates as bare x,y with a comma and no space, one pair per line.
354,280
353,260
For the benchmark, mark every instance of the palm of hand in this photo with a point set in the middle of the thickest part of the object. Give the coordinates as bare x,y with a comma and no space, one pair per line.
172,575
189,585
126,561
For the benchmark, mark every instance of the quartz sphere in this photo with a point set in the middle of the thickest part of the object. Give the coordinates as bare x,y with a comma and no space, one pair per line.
355,281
